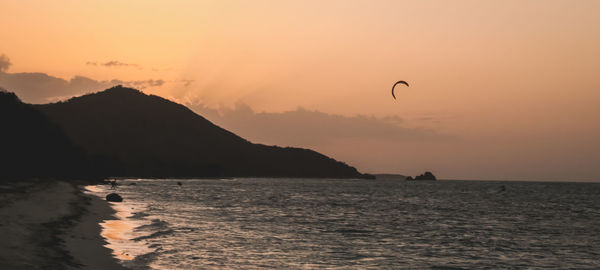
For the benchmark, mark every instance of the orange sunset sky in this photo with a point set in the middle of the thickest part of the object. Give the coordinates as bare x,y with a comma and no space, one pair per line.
499,89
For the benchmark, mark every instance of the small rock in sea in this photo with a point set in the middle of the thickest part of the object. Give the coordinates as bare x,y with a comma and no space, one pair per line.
179,183
426,176
114,197
132,184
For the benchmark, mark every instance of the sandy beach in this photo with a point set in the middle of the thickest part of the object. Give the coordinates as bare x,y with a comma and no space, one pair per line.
52,225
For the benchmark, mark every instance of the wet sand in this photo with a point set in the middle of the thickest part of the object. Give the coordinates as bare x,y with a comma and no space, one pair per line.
52,225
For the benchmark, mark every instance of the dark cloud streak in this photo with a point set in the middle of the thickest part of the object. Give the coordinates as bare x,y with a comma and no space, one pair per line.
113,63
118,64
43,88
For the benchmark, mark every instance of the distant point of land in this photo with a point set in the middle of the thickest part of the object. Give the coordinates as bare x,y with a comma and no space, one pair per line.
427,176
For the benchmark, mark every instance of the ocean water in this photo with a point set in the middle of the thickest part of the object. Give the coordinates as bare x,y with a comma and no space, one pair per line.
354,224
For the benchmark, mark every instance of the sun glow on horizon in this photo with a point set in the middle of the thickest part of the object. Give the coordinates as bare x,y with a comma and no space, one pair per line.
514,81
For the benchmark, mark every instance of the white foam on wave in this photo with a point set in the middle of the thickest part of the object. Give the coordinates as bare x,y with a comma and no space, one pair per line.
120,232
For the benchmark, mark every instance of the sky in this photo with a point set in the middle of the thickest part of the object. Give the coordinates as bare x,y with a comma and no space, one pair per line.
504,90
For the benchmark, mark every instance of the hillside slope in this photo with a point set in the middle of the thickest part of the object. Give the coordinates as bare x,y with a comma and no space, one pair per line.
154,137
33,147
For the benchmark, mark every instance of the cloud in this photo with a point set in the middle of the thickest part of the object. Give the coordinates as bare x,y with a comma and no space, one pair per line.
372,144
37,87
118,64
141,84
4,63
113,63
306,128
42,88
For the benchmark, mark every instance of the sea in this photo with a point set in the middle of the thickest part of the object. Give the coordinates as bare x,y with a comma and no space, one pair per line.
262,223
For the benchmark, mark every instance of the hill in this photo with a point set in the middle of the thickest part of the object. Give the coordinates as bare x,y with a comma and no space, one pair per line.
34,147
154,137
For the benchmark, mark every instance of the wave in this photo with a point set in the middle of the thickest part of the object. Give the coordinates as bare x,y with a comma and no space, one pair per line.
351,231
138,215
156,224
154,235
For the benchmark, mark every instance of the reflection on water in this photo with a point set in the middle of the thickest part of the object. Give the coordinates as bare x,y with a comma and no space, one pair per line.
120,232
114,231
94,189
357,224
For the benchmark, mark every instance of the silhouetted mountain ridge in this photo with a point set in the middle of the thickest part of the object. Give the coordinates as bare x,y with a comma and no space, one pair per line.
34,147
154,137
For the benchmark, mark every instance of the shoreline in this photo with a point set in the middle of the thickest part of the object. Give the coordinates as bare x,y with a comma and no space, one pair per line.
84,241
53,225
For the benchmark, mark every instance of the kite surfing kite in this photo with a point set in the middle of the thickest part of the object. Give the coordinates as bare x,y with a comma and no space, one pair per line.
398,82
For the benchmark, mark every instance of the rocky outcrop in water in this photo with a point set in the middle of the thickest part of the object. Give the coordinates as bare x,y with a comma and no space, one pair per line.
426,176
423,177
